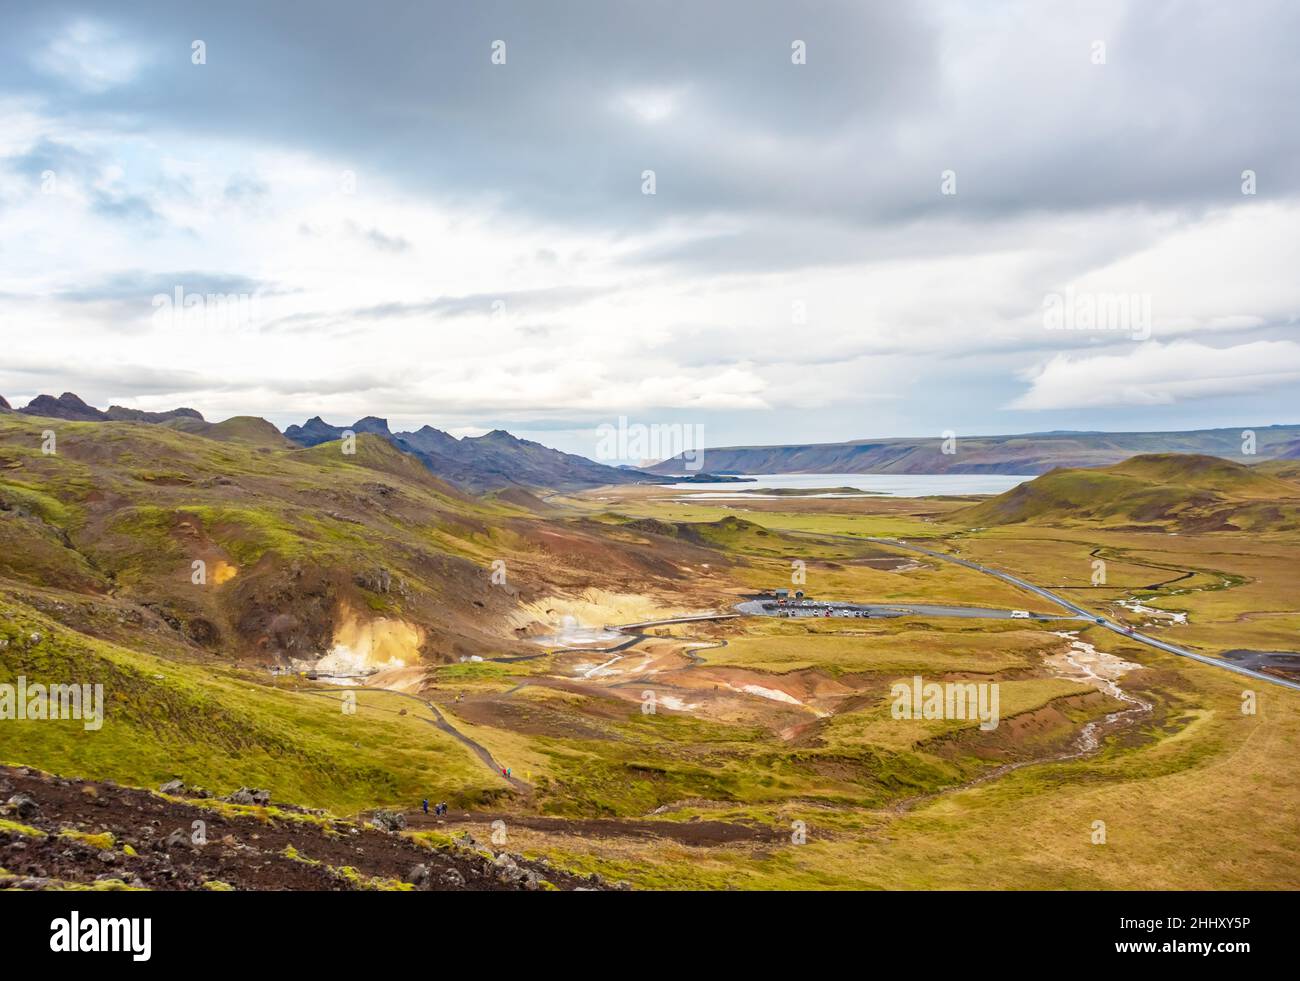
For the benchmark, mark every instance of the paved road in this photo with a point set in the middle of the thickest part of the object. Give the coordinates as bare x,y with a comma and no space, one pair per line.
694,618
818,611
1073,607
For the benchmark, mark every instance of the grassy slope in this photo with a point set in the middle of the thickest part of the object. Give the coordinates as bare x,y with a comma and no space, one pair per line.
881,646
114,519
218,728
126,508
1167,489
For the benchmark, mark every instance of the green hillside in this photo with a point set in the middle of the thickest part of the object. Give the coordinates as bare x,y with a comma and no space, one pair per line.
1173,491
291,541
301,549
250,430
220,728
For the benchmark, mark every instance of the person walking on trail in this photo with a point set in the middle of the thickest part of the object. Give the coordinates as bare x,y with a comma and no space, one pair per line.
508,773
425,805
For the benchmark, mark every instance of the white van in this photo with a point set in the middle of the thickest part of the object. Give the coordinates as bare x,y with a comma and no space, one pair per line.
1019,614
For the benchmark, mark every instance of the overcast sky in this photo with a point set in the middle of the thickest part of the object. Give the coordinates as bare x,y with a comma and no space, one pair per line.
417,231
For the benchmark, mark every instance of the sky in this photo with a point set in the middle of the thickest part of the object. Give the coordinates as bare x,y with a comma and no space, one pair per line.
764,222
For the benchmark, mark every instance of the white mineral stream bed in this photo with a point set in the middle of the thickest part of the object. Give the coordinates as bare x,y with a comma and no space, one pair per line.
574,634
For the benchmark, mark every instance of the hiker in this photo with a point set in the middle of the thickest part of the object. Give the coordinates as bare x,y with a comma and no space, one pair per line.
508,772
426,805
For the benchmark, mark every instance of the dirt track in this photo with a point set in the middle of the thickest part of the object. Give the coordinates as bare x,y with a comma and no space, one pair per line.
439,721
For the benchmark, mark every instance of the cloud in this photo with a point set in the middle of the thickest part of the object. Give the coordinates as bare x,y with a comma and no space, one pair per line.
125,207
138,286
245,189
378,239
478,304
706,95
650,105
87,171
61,158
797,258
1161,374
91,56
99,384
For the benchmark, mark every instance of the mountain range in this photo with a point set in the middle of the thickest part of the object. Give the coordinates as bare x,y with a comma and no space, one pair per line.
498,461
71,407
1029,454
478,464
493,461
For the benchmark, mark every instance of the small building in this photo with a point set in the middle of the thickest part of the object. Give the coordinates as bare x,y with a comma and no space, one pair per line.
782,593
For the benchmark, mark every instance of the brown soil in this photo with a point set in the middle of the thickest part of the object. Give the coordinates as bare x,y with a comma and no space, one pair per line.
245,852
529,717
1028,735
693,832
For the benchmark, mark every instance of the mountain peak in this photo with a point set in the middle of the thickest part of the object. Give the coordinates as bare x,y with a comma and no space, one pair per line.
477,463
67,406
372,424
73,408
118,413
315,430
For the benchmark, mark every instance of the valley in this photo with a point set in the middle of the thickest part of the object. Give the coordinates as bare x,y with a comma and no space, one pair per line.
844,452
352,634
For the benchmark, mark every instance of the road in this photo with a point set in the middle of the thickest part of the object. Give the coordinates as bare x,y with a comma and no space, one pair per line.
818,609
692,618
1073,607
